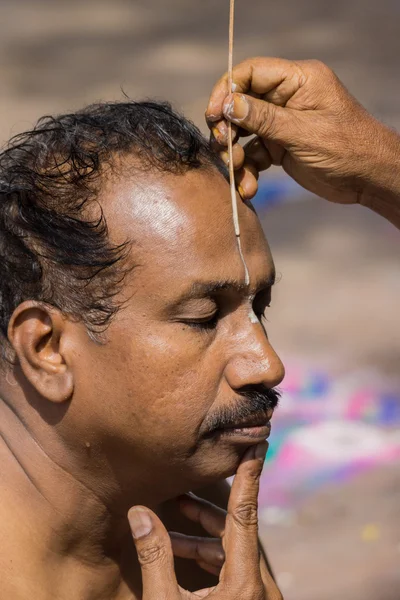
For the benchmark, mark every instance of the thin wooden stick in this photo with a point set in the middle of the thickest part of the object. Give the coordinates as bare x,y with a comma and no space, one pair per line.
230,144
230,134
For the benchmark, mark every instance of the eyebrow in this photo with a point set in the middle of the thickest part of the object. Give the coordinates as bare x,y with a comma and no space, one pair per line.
201,289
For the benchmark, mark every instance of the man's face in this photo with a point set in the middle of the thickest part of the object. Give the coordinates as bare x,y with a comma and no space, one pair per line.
165,392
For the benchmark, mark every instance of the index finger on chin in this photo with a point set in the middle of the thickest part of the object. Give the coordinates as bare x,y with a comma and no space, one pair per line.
241,531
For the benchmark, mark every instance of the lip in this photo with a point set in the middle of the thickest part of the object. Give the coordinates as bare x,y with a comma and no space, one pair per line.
246,434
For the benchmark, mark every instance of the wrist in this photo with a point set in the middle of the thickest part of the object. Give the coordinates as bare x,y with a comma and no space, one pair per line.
380,190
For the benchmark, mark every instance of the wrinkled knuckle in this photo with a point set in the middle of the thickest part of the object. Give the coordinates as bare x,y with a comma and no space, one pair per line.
297,75
152,554
318,65
322,69
291,73
246,514
250,61
259,61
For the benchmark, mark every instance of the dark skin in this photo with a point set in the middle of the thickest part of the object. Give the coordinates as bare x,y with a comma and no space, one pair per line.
91,429
243,575
191,575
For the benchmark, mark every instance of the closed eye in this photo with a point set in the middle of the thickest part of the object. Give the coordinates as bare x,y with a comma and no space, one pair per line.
203,323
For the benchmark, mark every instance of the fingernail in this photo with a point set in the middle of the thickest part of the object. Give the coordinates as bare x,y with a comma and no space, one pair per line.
225,158
236,108
241,192
220,132
261,450
212,116
140,522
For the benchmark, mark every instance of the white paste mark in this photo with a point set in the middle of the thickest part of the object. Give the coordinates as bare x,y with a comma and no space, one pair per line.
246,270
252,316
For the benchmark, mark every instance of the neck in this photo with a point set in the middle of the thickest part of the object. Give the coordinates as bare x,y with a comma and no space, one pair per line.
60,530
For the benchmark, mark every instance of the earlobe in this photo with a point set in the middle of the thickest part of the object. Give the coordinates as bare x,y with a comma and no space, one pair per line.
37,334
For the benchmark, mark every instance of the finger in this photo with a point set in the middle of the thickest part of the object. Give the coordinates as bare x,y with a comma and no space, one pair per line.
276,151
265,564
241,530
237,155
247,180
267,576
153,546
208,550
264,119
210,568
264,153
219,131
219,93
270,586
283,92
237,151
276,76
210,517
215,146
257,152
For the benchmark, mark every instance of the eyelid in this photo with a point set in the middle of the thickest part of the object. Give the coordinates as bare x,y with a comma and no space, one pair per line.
202,319
203,324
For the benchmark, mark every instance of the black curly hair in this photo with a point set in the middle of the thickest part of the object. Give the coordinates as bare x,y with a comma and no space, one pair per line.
51,248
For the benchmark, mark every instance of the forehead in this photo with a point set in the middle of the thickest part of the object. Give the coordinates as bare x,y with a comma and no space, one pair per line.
182,230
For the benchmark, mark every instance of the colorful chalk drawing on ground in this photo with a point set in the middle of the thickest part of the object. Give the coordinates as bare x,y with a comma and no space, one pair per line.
327,430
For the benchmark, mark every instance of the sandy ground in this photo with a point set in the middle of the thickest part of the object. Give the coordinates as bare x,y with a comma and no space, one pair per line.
343,544
337,302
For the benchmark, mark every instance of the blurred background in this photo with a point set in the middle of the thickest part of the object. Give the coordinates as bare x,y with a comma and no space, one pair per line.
330,497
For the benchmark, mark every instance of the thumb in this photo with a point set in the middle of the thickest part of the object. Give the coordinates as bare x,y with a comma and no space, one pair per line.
153,546
266,120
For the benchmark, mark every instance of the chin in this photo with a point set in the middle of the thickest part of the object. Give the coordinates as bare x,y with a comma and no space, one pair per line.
217,470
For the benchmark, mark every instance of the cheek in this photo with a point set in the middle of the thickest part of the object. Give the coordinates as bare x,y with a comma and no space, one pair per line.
171,379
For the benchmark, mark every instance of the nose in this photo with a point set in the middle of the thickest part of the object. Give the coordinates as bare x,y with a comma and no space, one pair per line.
254,361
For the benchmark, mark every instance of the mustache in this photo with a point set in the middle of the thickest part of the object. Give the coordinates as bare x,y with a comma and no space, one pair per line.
260,400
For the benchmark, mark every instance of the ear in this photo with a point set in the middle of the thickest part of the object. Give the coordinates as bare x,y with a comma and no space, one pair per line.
38,334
